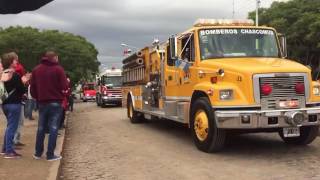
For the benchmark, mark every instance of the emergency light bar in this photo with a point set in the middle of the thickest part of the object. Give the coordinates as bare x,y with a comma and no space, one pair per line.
223,22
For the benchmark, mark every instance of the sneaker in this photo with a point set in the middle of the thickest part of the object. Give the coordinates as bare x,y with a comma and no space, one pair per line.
54,158
59,134
12,155
36,157
19,144
17,147
2,153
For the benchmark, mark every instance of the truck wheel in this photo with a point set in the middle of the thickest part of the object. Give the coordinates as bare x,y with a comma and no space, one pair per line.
307,135
132,114
206,135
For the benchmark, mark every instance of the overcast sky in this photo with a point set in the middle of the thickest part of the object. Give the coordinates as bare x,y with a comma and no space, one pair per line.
108,23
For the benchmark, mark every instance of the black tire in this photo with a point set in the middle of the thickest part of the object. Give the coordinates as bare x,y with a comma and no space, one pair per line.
216,137
133,115
307,135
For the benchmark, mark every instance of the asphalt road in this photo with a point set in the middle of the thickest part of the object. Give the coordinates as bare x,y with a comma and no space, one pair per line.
101,143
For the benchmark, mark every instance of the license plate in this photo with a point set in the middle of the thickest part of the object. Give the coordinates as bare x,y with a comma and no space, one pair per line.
291,132
289,104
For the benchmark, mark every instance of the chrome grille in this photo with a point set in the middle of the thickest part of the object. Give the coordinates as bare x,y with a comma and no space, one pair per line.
282,86
115,92
283,89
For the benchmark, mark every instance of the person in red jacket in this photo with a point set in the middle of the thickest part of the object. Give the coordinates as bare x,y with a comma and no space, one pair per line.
65,102
19,68
47,86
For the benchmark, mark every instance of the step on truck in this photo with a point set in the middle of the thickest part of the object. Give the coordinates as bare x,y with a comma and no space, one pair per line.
221,77
109,84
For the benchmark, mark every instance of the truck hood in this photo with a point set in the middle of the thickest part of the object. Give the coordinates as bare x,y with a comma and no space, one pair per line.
90,92
252,66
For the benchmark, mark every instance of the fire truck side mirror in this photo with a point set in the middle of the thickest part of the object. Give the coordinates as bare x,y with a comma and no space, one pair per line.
173,47
283,45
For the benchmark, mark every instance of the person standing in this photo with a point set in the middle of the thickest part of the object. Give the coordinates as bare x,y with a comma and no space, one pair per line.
65,103
29,106
47,87
21,71
12,104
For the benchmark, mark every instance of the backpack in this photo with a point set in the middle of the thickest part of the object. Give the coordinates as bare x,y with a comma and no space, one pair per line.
5,75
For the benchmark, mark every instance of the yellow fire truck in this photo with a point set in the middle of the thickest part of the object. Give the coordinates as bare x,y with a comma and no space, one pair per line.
223,76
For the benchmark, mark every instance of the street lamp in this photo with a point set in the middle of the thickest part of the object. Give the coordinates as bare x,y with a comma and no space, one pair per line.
129,46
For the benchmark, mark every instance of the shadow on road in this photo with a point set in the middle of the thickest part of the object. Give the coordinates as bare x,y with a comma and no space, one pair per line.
251,145
111,106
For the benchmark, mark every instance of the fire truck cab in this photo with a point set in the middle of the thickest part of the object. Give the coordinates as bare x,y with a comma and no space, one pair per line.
222,76
88,92
109,85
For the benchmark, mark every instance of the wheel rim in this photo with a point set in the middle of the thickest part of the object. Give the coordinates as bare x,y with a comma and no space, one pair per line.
130,110
201,125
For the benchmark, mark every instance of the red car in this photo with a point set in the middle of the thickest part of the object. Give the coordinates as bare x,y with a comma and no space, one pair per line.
88,92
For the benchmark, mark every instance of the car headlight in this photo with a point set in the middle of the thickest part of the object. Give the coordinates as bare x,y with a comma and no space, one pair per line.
316,90
226,94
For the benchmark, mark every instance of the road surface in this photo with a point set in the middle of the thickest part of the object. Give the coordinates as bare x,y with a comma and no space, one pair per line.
101,143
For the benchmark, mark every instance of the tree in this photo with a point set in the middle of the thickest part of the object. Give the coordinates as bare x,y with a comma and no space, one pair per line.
76,54
299,20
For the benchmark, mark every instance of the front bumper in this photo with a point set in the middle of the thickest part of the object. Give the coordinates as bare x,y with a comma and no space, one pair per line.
233,119
89,97
108,99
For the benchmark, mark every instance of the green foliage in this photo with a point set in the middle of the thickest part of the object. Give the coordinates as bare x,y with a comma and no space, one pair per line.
299,20
76,54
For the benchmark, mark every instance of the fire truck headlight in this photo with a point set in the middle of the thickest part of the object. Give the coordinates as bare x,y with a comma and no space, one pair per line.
226,94
316,90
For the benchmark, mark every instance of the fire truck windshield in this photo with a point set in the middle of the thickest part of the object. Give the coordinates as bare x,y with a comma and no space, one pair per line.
88,87
241,42
115,81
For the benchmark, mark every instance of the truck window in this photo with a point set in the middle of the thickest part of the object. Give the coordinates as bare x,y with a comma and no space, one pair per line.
88,87
187,48
115,81
244,42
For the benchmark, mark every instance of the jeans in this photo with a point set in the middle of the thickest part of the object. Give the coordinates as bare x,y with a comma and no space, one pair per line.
28,108
71,103
17,135
12,113
49,116
62,118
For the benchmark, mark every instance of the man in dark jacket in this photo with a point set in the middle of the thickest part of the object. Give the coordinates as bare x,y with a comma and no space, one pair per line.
47,86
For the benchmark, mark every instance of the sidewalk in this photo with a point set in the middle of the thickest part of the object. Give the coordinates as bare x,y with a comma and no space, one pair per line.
27,168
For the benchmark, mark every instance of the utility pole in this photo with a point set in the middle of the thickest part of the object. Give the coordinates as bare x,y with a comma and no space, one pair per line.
233,9
257,11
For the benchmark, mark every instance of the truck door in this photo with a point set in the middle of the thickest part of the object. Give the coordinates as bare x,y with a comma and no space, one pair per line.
178,81
171,76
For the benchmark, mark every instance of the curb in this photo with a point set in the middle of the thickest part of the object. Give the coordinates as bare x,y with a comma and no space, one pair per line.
55,169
